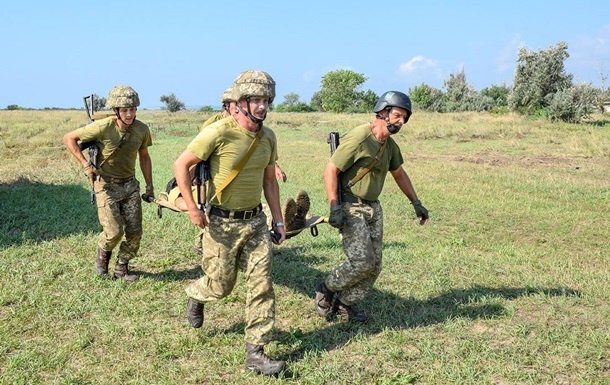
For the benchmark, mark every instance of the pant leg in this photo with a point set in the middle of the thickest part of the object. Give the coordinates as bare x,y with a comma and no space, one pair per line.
108,199
362,243
260,299
131,212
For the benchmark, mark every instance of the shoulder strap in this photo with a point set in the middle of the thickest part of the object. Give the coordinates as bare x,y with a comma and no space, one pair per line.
240,165
365,171
118,147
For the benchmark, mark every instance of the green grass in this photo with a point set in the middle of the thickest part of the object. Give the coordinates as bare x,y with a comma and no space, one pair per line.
508,284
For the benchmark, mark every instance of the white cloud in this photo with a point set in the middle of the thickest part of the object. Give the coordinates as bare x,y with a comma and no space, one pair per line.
417,64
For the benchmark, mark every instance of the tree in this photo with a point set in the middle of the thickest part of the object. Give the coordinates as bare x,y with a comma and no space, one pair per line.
316,102
172,104
292,103
573,104
458,92
13,107
538,76
339,91
290,99
427,98
499,94
99,103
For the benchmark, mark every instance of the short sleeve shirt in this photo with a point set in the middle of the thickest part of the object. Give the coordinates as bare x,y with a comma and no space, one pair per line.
224,143
356,151
212,119
107,134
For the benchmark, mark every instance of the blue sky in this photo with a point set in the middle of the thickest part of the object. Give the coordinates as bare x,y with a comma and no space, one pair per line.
56,52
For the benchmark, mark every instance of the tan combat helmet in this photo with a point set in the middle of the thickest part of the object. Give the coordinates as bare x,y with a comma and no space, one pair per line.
122,96
227,96
253,83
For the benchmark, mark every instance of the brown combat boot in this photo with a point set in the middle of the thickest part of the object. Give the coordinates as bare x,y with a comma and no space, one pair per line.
101,261
302,203
289,211
323,300
258,361
348,313
194,313
121,271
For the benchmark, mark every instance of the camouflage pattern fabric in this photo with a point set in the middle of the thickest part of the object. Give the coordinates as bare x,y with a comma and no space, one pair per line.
227,95
237,244
253,83
119,211
122,96
362,238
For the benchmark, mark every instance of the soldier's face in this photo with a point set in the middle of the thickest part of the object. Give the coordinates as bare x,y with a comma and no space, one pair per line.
397,116
258,106
128,114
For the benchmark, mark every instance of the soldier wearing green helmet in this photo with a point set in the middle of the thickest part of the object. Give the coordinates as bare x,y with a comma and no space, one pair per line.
359,166
121,140
237,235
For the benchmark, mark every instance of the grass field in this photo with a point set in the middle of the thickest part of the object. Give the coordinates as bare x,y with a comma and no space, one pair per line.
508,284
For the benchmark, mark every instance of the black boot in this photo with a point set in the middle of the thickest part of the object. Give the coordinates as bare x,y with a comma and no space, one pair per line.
348,313
101,261
258,361
323,300
194,313
121,271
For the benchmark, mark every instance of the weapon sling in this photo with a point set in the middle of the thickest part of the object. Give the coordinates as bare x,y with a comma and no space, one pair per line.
240,165
363,172
118,147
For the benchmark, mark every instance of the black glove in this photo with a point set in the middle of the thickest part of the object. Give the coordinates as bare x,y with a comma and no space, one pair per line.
336,217
420,211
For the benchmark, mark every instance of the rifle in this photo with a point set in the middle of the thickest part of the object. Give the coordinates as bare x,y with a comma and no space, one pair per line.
333,140
92,146
202,175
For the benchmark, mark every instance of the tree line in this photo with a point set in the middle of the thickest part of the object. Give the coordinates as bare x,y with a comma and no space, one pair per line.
541,87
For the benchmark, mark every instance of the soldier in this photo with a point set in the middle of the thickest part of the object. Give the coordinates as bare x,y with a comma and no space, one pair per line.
357,213
121,139
228,108
237,235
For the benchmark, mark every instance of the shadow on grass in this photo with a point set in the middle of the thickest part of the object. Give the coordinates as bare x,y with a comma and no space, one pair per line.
389,311
386,309
33,212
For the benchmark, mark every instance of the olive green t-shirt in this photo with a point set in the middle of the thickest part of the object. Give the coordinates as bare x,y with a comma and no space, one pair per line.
356,151
224,143
214,118
107,134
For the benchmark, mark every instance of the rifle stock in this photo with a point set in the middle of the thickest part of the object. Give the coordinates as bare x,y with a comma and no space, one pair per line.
91,146
202,175
333,140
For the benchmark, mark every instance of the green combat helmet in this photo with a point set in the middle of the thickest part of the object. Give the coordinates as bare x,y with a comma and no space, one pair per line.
122,96
253,83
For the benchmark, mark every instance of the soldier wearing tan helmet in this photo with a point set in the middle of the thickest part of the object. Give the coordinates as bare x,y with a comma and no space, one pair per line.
360,165
121,140
237,235
228,105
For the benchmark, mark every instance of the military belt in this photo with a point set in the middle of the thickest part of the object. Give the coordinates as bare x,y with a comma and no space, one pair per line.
234,214
355,199
108,179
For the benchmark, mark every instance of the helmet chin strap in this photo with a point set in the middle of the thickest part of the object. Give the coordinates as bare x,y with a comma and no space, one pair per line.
116,111
392,128
248,113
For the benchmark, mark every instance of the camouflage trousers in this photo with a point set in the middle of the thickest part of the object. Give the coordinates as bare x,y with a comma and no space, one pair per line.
230,245
362,238
119,210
